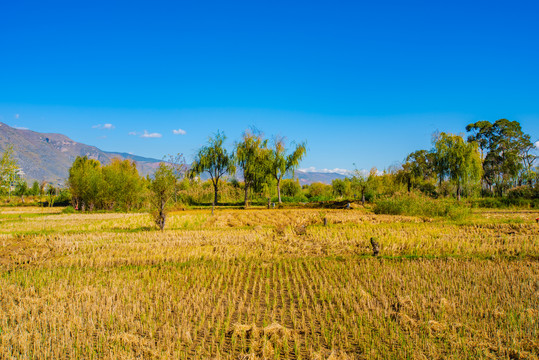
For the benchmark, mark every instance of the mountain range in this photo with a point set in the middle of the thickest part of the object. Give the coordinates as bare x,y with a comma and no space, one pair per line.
48,156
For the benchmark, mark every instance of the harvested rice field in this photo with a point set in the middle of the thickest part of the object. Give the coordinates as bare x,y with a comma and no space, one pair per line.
268,284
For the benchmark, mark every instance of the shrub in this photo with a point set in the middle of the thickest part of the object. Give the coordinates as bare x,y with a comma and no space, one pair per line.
505,202
68,210
418,205
319,190
293,199
290,188
522,192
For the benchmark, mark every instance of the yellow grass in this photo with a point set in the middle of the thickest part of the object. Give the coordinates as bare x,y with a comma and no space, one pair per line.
272,284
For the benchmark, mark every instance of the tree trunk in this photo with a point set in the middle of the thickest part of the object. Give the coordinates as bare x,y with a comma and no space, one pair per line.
279,190
246,204
458,191
363,197
216,190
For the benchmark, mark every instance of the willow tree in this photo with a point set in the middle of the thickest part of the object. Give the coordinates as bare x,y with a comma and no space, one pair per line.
214,160
461,159
282,163
8,169
251,156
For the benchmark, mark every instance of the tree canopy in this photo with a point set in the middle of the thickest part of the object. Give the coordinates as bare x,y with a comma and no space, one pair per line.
215,160
282,163
507,157
252,157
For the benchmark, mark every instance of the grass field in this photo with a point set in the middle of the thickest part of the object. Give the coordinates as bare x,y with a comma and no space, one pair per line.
272,284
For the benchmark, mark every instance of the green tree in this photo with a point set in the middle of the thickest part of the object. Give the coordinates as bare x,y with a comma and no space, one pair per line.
462,160
418,170
318,189
179,168
282,163
291,188
51,193
342,187
8,170
162,188
506,158
34,190
482,134
214,160
123,185
363,182
251,156
21,189
86,183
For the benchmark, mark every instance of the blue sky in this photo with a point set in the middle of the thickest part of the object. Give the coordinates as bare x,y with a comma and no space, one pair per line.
361,82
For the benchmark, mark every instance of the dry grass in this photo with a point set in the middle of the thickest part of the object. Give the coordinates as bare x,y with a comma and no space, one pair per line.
251,285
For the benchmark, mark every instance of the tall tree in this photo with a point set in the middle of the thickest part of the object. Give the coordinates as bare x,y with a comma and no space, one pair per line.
215,160
123,184
482,134
418,167
21,189
8,169
251,156
507,150
282,163
35,188
86,183
162,187
462,159
362,182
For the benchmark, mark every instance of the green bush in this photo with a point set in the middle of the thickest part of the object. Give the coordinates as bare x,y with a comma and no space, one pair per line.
505,202
418,205
523,192
68,210
292,199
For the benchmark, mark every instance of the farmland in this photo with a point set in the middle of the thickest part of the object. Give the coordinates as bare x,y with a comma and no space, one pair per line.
274,284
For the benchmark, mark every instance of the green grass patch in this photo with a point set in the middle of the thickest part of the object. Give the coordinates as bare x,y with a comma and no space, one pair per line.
418,205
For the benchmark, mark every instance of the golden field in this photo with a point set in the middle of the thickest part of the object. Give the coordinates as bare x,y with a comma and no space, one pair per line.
268,284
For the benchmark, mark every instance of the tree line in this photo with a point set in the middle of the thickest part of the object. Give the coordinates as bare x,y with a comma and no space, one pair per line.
260,163
494,159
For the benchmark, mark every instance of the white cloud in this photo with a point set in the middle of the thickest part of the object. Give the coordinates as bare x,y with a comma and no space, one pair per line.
537,144
132,133
103,126
20,127
179,132
150,135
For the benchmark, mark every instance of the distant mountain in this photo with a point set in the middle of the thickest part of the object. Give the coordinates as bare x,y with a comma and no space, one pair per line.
309,177
48,157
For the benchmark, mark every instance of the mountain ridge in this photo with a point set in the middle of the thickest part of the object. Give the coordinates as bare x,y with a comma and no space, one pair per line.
48,156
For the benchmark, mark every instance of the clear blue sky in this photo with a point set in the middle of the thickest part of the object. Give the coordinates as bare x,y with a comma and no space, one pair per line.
361,82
